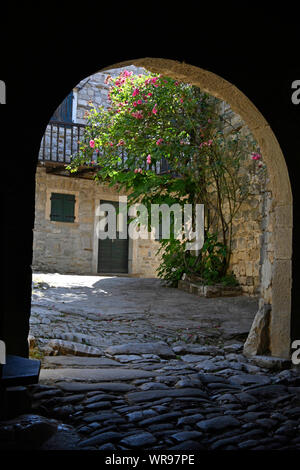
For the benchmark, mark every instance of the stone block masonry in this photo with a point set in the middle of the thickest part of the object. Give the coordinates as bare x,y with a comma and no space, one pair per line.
72,247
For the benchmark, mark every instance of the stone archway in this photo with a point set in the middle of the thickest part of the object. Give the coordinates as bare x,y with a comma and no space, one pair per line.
270,332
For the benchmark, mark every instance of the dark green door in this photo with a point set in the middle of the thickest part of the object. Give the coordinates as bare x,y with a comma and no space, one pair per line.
113,253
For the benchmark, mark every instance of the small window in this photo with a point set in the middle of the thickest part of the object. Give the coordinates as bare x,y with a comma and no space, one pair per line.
65,110
62,207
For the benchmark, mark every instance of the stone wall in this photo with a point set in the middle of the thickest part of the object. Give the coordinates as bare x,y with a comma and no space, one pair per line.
94,90
249,242
252,240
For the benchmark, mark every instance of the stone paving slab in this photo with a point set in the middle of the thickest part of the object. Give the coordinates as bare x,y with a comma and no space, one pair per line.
96,375
159,348
78,362
149,395
74,387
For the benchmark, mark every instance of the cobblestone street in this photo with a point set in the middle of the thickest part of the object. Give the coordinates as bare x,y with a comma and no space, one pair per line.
129,364
104,311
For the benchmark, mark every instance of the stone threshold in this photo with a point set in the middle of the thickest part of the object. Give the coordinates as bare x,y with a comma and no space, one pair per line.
216,290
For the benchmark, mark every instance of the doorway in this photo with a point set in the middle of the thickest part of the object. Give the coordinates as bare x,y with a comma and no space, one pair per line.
113,253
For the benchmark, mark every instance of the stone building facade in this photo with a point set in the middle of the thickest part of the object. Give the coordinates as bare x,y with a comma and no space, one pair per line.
73,247
65,247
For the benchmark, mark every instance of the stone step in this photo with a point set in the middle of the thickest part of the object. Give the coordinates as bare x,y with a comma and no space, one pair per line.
93,375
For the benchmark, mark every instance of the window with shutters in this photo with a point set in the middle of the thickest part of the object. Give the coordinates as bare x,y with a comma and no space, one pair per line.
64,112
62,207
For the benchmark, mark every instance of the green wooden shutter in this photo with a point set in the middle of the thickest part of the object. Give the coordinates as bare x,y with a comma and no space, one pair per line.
68,207
56,207
62,207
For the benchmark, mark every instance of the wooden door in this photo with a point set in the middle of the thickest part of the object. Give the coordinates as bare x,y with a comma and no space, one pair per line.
113,253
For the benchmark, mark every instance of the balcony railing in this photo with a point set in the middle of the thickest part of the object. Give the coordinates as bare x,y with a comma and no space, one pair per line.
62,140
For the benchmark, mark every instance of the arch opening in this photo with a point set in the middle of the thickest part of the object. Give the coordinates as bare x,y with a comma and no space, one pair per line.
270,331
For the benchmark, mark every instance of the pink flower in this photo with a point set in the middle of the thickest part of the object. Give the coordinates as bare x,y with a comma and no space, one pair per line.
140,102
181,100
140,170
126,73
135,92
149,94
154,110
136,170
92,144
137,115
159,141
208,143
256,156
149,159
154,79
134,103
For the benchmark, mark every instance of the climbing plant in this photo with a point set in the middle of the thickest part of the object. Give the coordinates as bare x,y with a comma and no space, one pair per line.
168,142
